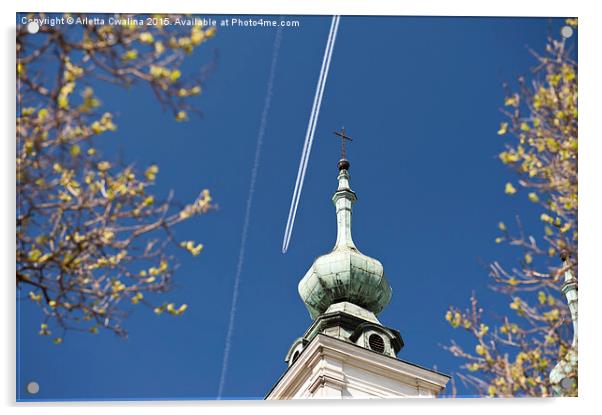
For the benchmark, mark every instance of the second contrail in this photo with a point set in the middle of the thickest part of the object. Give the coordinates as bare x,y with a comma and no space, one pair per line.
247,218
309,135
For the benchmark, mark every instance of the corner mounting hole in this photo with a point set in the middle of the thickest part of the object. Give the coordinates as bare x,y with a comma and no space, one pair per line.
376,343
567,383
33,388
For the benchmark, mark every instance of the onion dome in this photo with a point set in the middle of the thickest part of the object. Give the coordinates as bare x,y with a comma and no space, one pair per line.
344,274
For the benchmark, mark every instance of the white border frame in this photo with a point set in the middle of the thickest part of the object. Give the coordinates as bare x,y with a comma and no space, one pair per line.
590,200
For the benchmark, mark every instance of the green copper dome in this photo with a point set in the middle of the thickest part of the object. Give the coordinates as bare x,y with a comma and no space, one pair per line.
344,274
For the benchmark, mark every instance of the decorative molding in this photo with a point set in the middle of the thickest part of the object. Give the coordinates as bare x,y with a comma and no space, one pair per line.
339,365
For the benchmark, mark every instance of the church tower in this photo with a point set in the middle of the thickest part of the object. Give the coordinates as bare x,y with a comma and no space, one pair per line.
347,352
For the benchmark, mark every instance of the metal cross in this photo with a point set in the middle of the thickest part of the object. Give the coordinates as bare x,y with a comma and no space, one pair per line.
343,138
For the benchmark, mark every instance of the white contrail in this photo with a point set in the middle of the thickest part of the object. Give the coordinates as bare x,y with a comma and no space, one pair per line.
310,133
247,218
309,136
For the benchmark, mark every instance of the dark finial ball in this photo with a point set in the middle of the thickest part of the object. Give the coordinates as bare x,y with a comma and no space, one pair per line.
343,164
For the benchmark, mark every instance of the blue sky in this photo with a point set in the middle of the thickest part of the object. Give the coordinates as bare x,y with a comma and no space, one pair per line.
420,96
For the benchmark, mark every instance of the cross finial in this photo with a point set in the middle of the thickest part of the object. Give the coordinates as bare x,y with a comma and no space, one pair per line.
343,138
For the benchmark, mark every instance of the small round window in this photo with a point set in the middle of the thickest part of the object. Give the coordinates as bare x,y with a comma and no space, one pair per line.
376,343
